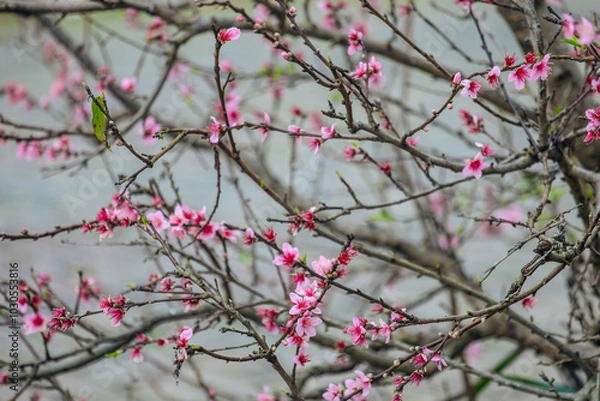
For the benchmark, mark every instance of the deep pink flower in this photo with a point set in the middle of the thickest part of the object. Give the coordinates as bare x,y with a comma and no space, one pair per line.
349,153
530,58
509,61
136,355
264,130
288,257
35,322
475,167
492,77
269,234
486,149
592,136
457,79
301,359
116,315
529,302
413,140
470,88
464,4
519,76
358,331
541,69
360,71
227,35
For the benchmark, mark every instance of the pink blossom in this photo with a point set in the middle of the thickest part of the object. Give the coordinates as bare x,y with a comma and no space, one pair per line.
249,237
541,69
413,140
493,76
375,66
519,76
473,122
323,266
314,144
158,220
264,130
269,234
530,58
437,359
128,84
288,257
568,26
486,150
214,130
157,30
227,35
349,153
116,315
269,317
360,71
404,10
464,4
470,88
136,355
265,396
354,41
592,136
35,322
333,393
148,129
301,359
509,61
358,331
529,302
457,79
593,116
475,166
586,32
328,132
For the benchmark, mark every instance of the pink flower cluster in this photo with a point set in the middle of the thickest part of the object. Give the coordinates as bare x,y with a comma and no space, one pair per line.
533,69
269,317
354,41
304,220
36,149
370,70
593,127
148,128
17,93
61,320
113,307
426,356
119,214
360,387
361,327
185,221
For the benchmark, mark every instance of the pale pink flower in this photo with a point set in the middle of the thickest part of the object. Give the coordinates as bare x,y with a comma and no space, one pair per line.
264,130
333,393
492,77
470,88
358,331
301,359
519,76
265,396
328,132
586,32
569,26
227,35
464,4
158,220
136,355
314,144
128,84
457,79
361,70
475,166
214,130
288,257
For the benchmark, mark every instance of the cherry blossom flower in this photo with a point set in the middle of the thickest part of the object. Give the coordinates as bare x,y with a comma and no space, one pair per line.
354,41
328,132
510,60
314,144
568,26
269,234
360,71
358,331
519,76
586,32
529,302
148,129
136,355
265,396
486,149
249,237
593,116
492,77
592,136
413,140
416,377
333,393
182,342
288,257
473,122
470,88
35,322
227,35
439,361
157,30
158,220
475,166
301,359
128,84
349,153
386,167
541,69
269,317
457,79
264,130
530,58
116,315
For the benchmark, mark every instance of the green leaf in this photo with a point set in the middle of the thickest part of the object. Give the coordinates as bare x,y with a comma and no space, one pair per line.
144,221
113,354
573,42
383,215
99,121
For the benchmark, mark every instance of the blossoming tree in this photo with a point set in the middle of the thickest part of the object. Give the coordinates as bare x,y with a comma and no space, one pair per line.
397,194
